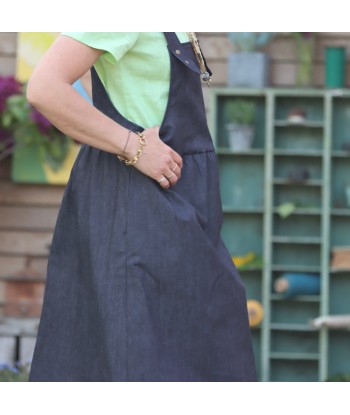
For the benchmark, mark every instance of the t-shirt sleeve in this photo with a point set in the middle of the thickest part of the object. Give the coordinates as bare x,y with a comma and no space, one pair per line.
114,44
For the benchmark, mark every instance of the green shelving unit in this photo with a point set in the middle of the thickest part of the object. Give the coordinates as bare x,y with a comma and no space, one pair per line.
253,184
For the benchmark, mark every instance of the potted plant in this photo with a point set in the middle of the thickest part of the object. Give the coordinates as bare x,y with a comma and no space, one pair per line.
248,66
39,149
305,49
241,115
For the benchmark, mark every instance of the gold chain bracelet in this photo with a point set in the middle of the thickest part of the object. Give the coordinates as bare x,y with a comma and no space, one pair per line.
143,142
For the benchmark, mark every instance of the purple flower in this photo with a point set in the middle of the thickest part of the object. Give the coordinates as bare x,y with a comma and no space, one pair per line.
8,86
43,123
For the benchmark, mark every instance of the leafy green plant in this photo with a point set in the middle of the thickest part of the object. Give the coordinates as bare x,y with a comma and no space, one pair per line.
305,49
249,261
240,111
26,126
286,209
17,373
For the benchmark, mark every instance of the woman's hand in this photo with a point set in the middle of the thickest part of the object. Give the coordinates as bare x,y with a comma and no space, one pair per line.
158,160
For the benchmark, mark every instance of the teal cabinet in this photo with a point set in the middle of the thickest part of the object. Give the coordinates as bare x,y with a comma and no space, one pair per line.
254,184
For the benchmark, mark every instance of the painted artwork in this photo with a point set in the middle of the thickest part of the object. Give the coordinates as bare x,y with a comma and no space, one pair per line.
27,165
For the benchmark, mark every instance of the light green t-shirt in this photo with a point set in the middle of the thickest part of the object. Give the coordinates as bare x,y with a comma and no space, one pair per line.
135,70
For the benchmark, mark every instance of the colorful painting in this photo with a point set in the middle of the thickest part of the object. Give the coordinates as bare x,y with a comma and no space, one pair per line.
27,165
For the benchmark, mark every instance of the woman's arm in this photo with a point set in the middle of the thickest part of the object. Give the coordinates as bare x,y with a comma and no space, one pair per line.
50,91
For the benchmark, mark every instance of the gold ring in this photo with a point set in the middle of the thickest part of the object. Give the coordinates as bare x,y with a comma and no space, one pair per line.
170,176
163,178
174,167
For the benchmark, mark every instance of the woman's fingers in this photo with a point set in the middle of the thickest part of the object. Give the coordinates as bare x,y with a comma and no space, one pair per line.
163,182
170,177
159,161
177,159
177,169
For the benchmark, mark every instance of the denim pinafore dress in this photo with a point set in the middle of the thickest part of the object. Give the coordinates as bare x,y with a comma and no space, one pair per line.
140,286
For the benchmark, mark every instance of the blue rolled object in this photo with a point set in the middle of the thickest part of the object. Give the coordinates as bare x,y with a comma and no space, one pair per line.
300,284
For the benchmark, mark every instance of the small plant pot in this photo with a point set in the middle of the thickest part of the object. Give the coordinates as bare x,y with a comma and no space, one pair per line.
248,69
240,137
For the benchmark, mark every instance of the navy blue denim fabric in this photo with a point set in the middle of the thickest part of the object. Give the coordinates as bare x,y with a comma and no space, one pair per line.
140,286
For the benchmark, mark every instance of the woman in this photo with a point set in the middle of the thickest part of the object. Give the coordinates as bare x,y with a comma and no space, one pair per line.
140,286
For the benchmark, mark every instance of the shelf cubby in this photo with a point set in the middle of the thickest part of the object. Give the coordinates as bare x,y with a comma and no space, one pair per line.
295,138
293,312
297,226
340,231
284,165
294,343
291,370
339,287
313,107
338,352
245,226
292,254
296,194
236,176
222,119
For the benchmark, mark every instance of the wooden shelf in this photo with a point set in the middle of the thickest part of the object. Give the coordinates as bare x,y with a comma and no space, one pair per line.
339,271
247,210
255,269
306,236
287,182
307,124
292,327
237,91
299,153
303,211
311,298
222,151
340,212
294,356
296,240
340,153
296,268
